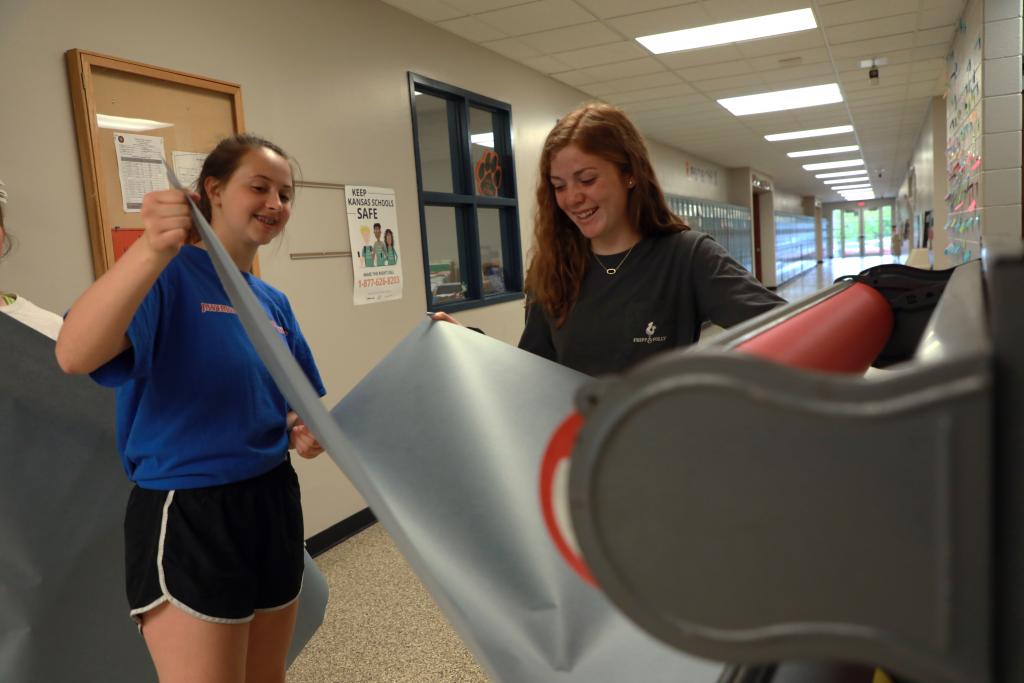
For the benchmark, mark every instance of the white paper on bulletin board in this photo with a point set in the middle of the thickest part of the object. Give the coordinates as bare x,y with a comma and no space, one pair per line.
140,167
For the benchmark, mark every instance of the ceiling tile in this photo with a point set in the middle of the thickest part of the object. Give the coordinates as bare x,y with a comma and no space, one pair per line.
604,54
934,65
731,86
633,67
571,37
707,55
854,11
512,48
679,103
574,78
802,40
478,6
864,49
731,10
932,51
662,21
536,16
943,5
720,70
795,58
472,28
879,92
945,16
797,74
942,35
622,85
431,10
875,28
650,94
546,64
617,8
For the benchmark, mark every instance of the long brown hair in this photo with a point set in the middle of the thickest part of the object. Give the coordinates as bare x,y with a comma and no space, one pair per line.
560,251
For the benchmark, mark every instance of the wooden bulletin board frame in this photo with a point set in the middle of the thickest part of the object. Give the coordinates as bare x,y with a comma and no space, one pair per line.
200,111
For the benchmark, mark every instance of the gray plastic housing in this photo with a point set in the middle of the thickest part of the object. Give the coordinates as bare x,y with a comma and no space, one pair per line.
749,512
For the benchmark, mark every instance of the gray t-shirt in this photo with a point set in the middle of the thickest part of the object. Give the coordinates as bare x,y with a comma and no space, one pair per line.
665,290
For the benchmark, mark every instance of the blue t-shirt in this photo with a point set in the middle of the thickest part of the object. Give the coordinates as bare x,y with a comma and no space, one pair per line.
195,404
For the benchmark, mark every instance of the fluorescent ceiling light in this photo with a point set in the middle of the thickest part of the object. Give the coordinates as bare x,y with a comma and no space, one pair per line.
483,139
823,150
851,187
813,133
128,125
781,100
730,32
851,179
856,196
838,174
846,163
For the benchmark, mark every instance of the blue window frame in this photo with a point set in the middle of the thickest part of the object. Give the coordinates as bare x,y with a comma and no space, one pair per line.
469,213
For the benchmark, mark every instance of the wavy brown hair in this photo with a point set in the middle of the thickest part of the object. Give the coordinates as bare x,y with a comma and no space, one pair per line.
560,251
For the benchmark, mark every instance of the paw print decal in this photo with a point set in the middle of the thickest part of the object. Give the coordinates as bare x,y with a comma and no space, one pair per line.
488,174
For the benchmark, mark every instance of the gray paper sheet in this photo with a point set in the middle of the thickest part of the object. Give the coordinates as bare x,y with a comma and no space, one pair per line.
443,440
63,610
451,427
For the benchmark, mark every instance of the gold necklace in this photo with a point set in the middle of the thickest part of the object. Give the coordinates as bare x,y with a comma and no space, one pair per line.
612,271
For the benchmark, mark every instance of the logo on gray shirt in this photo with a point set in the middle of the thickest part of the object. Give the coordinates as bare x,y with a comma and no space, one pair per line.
650,338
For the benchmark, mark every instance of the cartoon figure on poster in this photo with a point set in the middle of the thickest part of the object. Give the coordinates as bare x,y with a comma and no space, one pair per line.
373,230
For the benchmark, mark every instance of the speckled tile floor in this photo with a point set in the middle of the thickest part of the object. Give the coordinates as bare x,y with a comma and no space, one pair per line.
381,625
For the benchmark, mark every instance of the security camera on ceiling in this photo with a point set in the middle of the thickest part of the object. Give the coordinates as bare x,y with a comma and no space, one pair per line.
872,66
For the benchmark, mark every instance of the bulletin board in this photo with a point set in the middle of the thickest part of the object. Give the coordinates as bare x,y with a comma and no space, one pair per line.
126,113
963,139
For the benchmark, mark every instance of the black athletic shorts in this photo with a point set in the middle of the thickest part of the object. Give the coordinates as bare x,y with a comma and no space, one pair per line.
220,553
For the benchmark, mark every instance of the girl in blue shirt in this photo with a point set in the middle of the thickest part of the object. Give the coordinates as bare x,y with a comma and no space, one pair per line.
213,531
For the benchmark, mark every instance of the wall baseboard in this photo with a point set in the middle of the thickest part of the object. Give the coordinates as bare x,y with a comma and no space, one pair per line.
340,532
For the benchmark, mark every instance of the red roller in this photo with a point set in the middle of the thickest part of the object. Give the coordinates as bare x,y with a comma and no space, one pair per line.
554,489
844,333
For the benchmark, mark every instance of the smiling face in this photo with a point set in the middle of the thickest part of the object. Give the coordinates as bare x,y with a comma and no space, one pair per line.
252,207
593,192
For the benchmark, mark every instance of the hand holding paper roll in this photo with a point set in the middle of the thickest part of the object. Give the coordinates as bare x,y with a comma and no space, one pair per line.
301,439
167,219
444,317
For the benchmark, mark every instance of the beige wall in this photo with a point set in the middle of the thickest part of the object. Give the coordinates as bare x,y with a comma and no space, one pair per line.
705,180
786,202
929,167
325,79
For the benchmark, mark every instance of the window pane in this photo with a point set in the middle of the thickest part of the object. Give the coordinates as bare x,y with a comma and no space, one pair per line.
491,261
872,233
851,233
435,147
488,168
446,280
